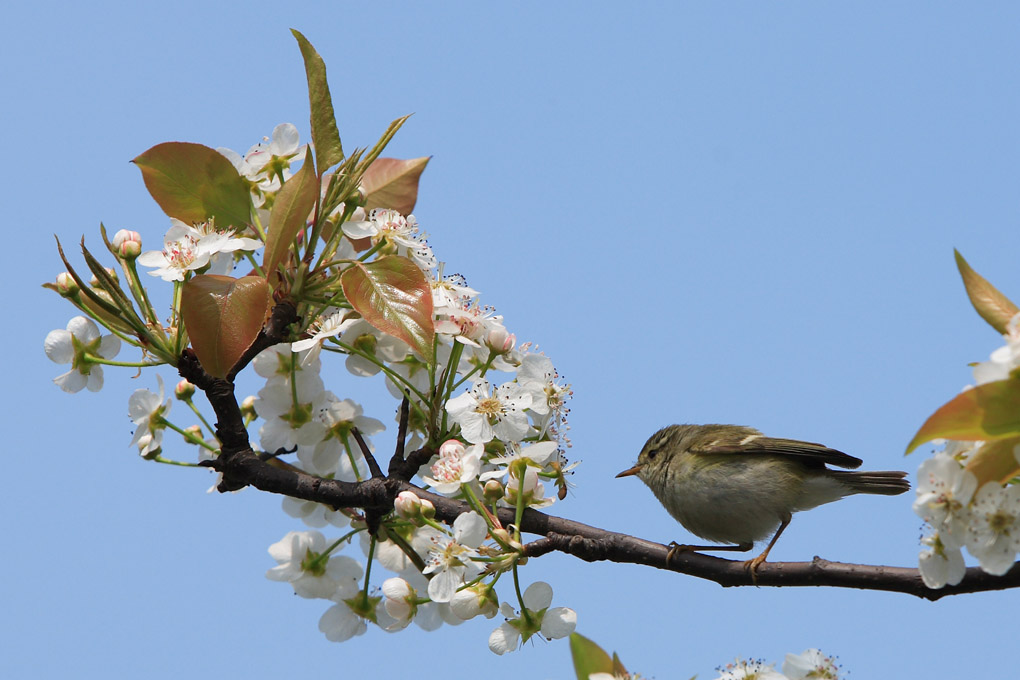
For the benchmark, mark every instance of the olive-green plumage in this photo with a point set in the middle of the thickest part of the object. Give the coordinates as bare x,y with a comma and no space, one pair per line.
731,484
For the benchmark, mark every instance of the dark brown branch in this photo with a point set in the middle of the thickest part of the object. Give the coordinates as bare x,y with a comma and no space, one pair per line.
241,466
594,544
373,466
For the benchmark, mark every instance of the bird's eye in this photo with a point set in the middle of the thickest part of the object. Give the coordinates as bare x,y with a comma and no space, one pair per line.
652,454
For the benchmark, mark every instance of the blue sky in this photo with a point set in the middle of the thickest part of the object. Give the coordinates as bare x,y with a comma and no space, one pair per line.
703,212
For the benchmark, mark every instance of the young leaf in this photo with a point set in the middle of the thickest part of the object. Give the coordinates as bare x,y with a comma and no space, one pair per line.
589,657
393,295
995,461
290,213
193,183
325,135
223,316
988,411
393,183
993,306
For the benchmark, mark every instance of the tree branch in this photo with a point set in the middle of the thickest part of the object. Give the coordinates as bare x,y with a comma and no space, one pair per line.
241,466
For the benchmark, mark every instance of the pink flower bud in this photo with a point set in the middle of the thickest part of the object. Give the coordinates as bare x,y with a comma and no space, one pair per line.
499,340
66,284
451,448
184,390
407,505
127,244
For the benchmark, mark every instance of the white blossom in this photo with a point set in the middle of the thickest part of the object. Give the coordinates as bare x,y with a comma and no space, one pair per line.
74,346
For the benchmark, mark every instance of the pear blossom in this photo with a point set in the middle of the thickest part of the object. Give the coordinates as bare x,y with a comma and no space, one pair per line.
749,669
289,422
267,164
484,413
457,465
276,363
403,232
366,338
552,623
147,411
336,452
315,515
451,559
530,488
301,561
189,248
349,616
401,600
475,600
994,532
449,291
327,326
939,564
944,490
810,664
75,345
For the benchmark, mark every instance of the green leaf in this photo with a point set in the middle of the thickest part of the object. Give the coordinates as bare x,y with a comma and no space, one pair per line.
291,208
325,135
986,412
993,306
393,183
223,316
995,461
393,295
589,657
193,183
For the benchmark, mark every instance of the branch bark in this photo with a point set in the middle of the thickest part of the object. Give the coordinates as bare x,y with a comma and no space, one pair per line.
241,466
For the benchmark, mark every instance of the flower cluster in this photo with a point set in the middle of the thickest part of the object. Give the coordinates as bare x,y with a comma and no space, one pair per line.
960,512
809,664
491,412
985,520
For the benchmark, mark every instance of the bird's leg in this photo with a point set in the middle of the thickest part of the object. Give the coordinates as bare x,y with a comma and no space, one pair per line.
675,548
753,564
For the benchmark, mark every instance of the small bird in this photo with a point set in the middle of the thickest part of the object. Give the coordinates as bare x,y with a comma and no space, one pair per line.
732,484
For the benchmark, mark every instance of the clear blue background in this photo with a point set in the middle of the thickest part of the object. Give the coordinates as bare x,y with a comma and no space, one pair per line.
738,212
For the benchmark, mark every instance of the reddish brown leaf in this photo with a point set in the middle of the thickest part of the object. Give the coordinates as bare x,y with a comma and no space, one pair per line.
223,316
993,306
290,213
393,295
325,135
995,461
988,411
393,183
193,183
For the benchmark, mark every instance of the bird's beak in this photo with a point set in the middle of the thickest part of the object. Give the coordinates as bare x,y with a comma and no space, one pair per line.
632,471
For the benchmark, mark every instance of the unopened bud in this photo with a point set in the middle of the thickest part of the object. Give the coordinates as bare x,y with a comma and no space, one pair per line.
499,340
248,407
196,432
125,235
428,511
408,506
184,390
501,536
129,250
66,284
493,491
451,448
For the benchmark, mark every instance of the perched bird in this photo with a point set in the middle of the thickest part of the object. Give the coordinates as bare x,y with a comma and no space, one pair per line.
732,484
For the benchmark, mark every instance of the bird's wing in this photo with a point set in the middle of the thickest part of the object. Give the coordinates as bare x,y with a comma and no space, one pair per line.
752,441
